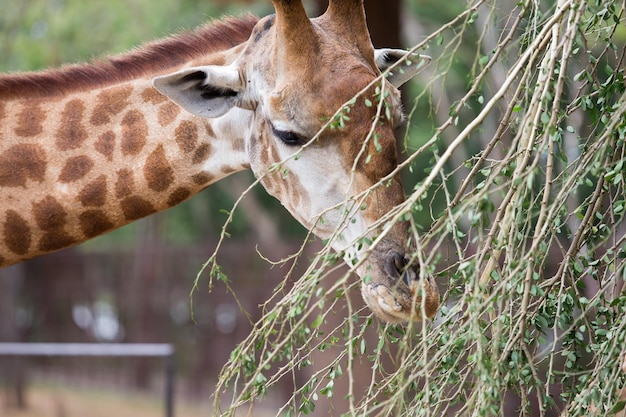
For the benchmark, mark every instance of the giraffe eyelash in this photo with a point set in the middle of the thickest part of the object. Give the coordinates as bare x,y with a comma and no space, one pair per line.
289,138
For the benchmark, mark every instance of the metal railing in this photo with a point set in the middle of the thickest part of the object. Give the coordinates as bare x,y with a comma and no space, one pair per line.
163,350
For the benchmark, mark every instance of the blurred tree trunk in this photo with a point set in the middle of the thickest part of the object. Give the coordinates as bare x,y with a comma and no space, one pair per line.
383,20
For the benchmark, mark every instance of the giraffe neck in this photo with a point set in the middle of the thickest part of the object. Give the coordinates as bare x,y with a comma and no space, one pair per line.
77,166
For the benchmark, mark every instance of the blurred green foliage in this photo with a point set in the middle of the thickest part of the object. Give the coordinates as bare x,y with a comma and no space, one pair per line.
36,34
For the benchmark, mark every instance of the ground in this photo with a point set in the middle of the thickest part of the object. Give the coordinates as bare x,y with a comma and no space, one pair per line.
62,401
48,400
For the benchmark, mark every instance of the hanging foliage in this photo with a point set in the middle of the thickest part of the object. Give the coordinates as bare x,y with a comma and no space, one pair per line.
516,161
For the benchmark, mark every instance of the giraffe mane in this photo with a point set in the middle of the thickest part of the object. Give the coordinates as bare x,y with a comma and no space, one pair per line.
148,59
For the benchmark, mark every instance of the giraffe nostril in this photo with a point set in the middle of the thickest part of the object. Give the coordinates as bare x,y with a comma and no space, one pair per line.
396,266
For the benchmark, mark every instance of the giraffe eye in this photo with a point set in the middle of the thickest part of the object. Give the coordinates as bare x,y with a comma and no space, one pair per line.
289,138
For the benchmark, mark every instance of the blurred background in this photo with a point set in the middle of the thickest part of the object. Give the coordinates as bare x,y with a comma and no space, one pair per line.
135,284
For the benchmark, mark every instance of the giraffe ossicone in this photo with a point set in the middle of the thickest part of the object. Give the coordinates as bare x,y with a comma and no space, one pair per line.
86,149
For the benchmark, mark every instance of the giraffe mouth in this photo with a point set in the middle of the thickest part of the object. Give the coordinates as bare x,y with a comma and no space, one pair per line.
397,293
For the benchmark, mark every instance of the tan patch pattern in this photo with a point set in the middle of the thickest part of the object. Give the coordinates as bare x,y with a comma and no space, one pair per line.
178,196
52,218
134,132
94,193
186,135
30,120
227,169
21,163
152,96
71,133
17,234
75,168
209,129
168,113
94,223
56,240
109,103
203,178
49,214
125,183
135,207
157,170
202,153
75,114
106,144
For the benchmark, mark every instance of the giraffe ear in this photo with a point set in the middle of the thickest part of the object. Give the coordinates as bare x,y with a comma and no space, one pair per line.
410,66
208,91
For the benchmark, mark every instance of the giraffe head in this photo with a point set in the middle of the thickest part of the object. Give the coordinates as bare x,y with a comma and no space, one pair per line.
291,77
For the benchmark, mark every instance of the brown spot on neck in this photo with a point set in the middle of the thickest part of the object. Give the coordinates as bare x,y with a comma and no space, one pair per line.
106,144
202,153
109,103
21,163
157,170
186,135
135,207
209,129
94,223
178,196
30,120
51,217
94,193
151,95
75,168
49,214
56,240
71,133
134,132
202,178
125,183
168,113
229,169
17,234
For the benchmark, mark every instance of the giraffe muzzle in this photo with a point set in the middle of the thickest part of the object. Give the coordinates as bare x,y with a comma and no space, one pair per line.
399,293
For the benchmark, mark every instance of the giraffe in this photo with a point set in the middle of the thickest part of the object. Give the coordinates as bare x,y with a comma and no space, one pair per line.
85,149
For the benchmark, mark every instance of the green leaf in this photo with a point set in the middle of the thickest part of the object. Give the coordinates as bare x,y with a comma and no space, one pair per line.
318,321
619,406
